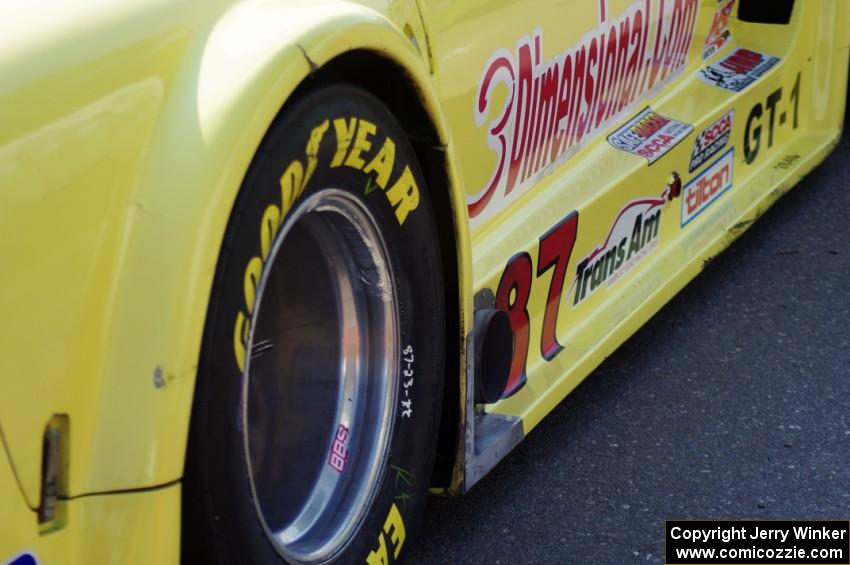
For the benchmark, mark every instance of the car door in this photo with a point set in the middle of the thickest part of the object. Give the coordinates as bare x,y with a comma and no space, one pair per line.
552,108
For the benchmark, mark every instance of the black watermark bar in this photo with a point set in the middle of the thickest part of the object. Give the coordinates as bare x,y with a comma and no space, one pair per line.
757,542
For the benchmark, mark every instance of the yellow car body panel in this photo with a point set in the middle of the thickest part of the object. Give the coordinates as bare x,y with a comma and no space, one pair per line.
131,528
119,166
128,128
598,181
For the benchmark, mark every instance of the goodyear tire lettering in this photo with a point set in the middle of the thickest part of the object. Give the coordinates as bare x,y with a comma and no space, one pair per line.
334,143
252,279
292,183
240,339
355,141
403,195
268,228
394,530
362,143
382,164
344,133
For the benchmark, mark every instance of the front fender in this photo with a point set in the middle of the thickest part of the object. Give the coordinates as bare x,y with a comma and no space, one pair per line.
233,82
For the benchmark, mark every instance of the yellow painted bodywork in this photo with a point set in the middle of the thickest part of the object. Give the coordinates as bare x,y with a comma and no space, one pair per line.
131,528
127,128
599,180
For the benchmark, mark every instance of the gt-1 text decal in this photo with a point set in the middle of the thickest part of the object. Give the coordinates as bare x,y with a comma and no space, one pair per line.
555,106
554,252
738,70
650,135
703,190
757,119
711,140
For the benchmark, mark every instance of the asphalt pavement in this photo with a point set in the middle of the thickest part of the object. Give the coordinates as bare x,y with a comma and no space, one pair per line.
732,402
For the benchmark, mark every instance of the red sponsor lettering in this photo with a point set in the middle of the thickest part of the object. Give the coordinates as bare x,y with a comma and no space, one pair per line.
554,105
707,188
742,61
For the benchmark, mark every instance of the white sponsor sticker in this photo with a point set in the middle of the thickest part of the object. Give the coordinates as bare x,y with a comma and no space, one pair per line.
737,70
707,187
711,140
718,35
650,135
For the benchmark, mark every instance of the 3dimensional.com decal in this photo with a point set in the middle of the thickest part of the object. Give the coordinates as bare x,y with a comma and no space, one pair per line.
555,106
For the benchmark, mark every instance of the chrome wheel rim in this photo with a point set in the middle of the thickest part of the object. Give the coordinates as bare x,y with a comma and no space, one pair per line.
318,390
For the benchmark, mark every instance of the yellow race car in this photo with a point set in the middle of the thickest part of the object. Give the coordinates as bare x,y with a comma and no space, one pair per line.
274,269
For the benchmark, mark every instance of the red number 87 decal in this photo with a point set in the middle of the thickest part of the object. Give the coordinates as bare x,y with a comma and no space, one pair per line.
555,249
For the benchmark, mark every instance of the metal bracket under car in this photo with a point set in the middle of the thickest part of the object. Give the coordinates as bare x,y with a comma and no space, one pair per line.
488,437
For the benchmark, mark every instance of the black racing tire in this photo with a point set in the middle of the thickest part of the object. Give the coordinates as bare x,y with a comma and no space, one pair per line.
334,182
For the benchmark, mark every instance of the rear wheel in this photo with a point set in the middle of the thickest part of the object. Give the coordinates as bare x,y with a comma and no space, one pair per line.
316,409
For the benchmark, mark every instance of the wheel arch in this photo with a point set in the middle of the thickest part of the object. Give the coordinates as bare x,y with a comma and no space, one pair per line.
398,91
212,125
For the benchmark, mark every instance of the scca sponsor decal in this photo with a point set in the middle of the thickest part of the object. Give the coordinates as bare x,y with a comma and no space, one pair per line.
630,239
555,106
711,140
737,70
649,135
719,34
706,188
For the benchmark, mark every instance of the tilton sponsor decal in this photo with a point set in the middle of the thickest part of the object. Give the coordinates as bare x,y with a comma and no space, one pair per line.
703,190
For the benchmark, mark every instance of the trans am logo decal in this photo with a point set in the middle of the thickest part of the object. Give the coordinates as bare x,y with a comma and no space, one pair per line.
737,71
555,106
650,135
631,238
